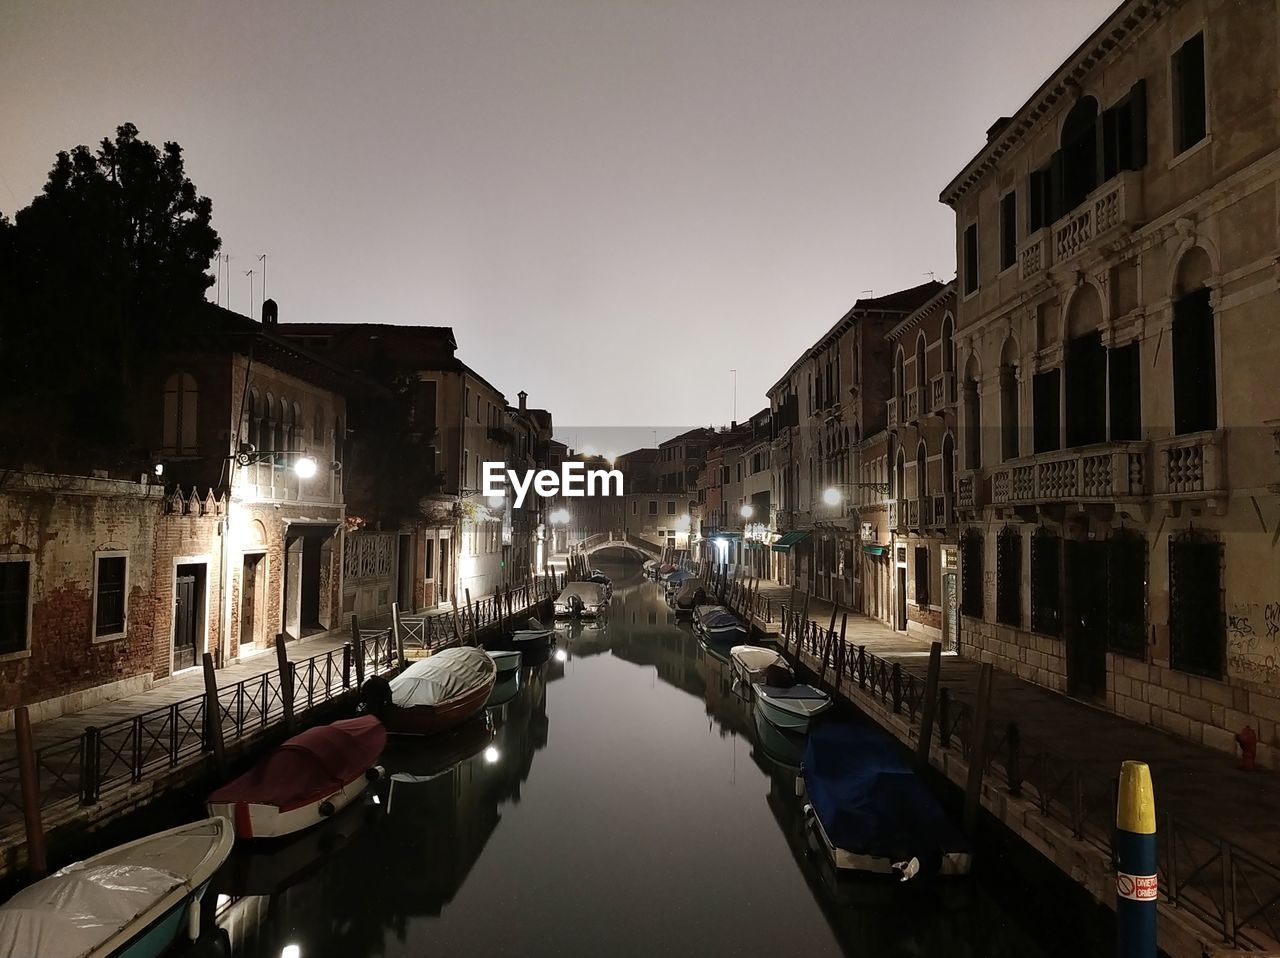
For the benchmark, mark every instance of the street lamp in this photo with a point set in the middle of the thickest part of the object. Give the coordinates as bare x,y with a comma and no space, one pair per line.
832,496
747,510
305,467
560,517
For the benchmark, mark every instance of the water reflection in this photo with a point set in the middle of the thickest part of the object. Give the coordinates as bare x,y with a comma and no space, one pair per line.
620,797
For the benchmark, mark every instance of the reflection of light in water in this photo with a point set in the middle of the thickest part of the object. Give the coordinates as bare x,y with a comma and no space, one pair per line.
490,755
377,800
291,951
561,655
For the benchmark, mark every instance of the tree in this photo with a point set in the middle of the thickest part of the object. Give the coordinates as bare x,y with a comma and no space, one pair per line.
110,256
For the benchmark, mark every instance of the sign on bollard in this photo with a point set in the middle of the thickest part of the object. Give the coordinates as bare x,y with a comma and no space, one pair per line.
1135,851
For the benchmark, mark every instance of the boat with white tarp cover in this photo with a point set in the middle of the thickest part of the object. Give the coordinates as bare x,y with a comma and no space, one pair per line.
131,901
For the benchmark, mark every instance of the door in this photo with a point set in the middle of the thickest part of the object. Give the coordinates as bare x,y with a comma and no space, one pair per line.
950,613
291,612
185,624
309,587
251,592
1086,618
444,585
900,604
404,576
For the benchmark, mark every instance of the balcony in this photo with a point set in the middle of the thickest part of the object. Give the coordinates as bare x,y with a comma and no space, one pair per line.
1033,255
937,514
911,405
1191,467
969,491
942,392
1104,472
912,509
894,513
892,407
1115,205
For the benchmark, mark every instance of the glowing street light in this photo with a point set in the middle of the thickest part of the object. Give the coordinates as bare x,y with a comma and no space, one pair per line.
491,755
560,517
747,510
305,467
496,502
831,496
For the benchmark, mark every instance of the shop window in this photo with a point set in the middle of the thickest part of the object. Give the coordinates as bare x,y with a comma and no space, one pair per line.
922,576
15,603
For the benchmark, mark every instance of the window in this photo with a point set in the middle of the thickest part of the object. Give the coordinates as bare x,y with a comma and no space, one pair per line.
1124,132
15,584
653,507
922,576
1076,164
671,507
971,574
1195,365
1009,576
1040,206
110,588
1046,590
180,415
1086,361
635,508
1197,634
1127,594
970,258
1046,399
1008,229
1190,122
1125,372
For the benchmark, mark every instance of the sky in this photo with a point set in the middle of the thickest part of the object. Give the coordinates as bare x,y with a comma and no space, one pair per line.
612,202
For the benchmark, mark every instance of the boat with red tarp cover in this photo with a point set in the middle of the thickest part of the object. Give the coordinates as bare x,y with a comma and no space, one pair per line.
309,778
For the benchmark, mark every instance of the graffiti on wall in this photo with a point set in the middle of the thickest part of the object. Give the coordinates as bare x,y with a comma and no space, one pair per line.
1253,641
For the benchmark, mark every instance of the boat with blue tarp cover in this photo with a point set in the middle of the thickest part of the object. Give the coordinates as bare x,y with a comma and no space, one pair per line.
870,809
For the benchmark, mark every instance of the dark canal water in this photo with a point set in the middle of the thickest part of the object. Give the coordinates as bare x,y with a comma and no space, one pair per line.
622,802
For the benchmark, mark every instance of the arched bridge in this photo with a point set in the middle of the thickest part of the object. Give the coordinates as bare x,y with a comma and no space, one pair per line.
620,540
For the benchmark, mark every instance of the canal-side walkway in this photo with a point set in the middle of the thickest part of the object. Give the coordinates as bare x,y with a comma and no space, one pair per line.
1203,785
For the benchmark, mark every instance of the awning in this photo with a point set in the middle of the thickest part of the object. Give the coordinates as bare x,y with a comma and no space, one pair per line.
875,550
788,540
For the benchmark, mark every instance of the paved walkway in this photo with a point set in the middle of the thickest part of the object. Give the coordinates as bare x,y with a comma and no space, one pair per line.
1203,786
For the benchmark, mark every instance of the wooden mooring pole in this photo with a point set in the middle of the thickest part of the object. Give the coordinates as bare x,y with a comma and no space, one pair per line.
929,708
472,616
286,679
29,782
213,714
978,750
397,632
358,649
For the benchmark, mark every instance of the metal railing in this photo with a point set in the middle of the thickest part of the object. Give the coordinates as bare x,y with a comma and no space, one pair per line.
427,633
83,768
1233,891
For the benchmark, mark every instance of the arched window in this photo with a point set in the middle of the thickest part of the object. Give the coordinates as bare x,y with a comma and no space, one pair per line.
922,377
1195,347
1009,412
284,431
949,359
900,476
295,437
180,415
1086,369
948,474
899,375
972,416
1079,152
922,473
253,425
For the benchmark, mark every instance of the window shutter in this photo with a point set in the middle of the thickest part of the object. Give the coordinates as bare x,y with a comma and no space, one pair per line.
1138,125
1057,181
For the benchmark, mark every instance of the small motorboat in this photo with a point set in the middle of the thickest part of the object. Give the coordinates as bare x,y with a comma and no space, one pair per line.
673,580
506,689
691,594
791,707
718,624
506,660
599,578
754,665
309,778
432,694
650,568
132,901
870,809
533,638
784,749
582,600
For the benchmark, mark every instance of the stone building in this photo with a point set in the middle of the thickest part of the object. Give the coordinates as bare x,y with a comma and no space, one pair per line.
1117,250
922,430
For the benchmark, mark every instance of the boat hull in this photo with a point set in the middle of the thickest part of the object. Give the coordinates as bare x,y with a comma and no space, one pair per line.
256,820
952,863
433,719
506,661
785,716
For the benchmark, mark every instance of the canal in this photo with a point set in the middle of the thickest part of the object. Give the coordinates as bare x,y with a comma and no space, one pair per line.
620,801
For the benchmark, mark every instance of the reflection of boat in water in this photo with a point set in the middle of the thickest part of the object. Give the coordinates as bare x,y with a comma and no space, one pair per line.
443,752
784,749
871,810
504,690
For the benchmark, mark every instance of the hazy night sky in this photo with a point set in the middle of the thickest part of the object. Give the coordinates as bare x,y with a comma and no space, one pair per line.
613,202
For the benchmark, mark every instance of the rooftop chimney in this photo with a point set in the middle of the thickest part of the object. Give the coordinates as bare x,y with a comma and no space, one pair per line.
524,396
270,312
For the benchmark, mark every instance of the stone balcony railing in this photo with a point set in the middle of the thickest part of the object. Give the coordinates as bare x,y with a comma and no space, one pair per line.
969,490
1191,466
942,391
1116,203
894,513
912,509
1106,471
1033,254
912,404
892,407
937,515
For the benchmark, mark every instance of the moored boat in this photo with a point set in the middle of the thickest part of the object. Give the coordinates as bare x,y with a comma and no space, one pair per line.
791,707
691,594
432,694
870,809
132,901
755,665
506,660
309,778
581,600
717,624
534,637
